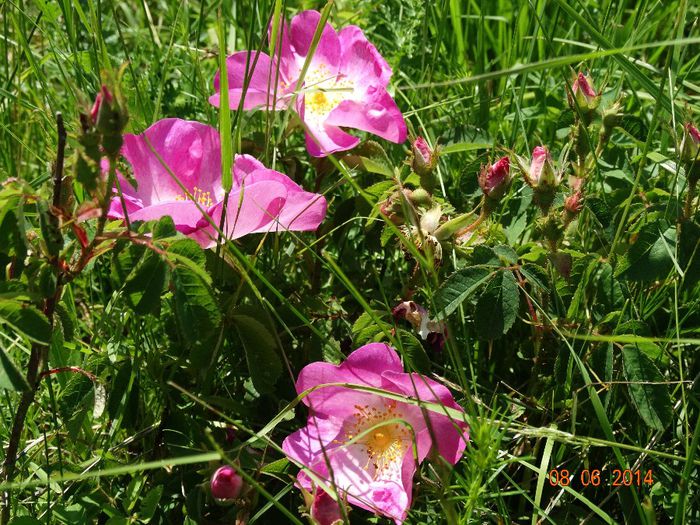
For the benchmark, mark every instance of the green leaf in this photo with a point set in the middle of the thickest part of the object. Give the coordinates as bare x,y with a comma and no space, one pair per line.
371,157
259,345
649,395
634,126
187,250
25,319
126,257
276,467
497,308
66,320
120,385
195,306
536,276
77,398
506,254
459,147
10,377
366,329
144,285
149,504
650,257
25,520
165,227
458,287
188,253
413,352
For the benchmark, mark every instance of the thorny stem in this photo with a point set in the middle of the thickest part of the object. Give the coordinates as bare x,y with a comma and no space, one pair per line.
688,208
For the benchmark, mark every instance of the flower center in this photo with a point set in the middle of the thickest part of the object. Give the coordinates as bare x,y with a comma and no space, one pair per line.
324,91
318,102
198,195
386,443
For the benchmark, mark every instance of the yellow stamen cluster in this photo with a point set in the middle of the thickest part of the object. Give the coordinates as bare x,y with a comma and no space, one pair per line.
198,195
386,443
324,91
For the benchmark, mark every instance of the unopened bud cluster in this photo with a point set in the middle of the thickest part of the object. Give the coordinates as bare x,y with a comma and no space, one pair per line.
101,136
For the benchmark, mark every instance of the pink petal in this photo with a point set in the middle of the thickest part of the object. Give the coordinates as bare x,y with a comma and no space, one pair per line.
249,209
116,211
243,166
185,214
289,68
377,114
327,53
302,211
262,89
361,61
321,139
306,445
363,367
383,492
191,152
451,434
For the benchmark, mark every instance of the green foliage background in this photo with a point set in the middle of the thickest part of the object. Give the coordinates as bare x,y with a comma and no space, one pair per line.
179,346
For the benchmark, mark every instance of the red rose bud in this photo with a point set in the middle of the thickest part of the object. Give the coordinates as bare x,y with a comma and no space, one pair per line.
110,119
574,203
107,94
325,510
424,162
424,157
494,180
585,97
690,143
96,108
226,483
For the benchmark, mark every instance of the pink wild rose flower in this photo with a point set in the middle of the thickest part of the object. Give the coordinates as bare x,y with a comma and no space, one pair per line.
261,200
344,86
366,440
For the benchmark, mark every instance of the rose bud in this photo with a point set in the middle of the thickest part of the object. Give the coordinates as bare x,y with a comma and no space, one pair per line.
110,119
393,207
226,483
494,179
424,162
96,108
574,203
541,176
690,143
541,171
585,97
325,510
420,197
